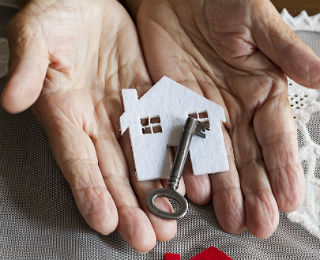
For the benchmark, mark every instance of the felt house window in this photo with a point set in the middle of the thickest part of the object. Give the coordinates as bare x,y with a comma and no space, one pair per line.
151,125
201,116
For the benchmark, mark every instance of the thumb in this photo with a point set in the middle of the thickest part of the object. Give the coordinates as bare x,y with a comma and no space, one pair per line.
28,64
280,44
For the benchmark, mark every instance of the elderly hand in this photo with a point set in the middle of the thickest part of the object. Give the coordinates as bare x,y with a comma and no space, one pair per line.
236,53
72,58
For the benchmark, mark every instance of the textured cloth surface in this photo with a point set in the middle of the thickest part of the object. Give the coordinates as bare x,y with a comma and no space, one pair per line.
39,219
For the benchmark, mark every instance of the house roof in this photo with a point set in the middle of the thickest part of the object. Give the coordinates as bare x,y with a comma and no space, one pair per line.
166,92
169,90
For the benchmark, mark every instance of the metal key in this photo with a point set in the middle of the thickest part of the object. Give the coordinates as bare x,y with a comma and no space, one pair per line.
192,127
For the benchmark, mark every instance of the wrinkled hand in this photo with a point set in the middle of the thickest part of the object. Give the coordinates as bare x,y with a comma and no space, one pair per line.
72,58
235,53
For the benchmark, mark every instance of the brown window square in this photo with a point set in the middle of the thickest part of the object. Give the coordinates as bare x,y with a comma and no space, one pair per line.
144,121
157,129
203,114
146,130
194,115
155,120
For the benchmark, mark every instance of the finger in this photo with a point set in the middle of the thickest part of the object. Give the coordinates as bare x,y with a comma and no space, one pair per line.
28,64
279,43
164,229
276,134
134,225
76,157
198,188
261,209
227,196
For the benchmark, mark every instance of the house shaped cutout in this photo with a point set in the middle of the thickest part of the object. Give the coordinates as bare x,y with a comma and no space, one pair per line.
156,121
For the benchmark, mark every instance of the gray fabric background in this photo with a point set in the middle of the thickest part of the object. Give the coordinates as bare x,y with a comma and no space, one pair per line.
39,219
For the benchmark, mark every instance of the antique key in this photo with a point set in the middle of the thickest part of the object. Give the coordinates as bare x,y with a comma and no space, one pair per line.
192,127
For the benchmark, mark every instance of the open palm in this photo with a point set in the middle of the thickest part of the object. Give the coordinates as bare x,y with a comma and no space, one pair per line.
235,53
71,59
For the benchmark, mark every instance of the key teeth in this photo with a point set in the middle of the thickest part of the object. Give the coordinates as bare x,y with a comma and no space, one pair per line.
201,135
205,126
201,128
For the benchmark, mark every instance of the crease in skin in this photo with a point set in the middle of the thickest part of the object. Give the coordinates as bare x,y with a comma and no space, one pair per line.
243,58
193,59
231,219
57,119
71,170
92,127
240,120
265,88
135,232
235,27
113,95
116,179
100,46
198,63
218,191
233,222
28,35
288,201
258,165
255,226
92,208
246,166
53,82
277,139
242,162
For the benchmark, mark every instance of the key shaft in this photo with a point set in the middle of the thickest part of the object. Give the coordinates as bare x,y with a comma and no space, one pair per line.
182,153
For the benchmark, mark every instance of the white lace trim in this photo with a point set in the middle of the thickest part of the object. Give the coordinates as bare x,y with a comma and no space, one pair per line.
304,103
302,22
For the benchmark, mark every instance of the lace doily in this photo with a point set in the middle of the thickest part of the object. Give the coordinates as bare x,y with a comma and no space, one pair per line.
305,104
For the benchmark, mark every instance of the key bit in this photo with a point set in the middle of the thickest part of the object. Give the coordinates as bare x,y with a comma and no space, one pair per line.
201,127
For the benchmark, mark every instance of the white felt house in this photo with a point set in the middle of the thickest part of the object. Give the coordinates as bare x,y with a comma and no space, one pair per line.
156,122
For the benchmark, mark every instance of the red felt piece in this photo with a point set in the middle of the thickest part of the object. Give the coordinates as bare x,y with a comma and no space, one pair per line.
169,256
211,253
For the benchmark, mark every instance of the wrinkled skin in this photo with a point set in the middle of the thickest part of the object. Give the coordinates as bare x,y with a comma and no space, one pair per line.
70,59
78,55
235,53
